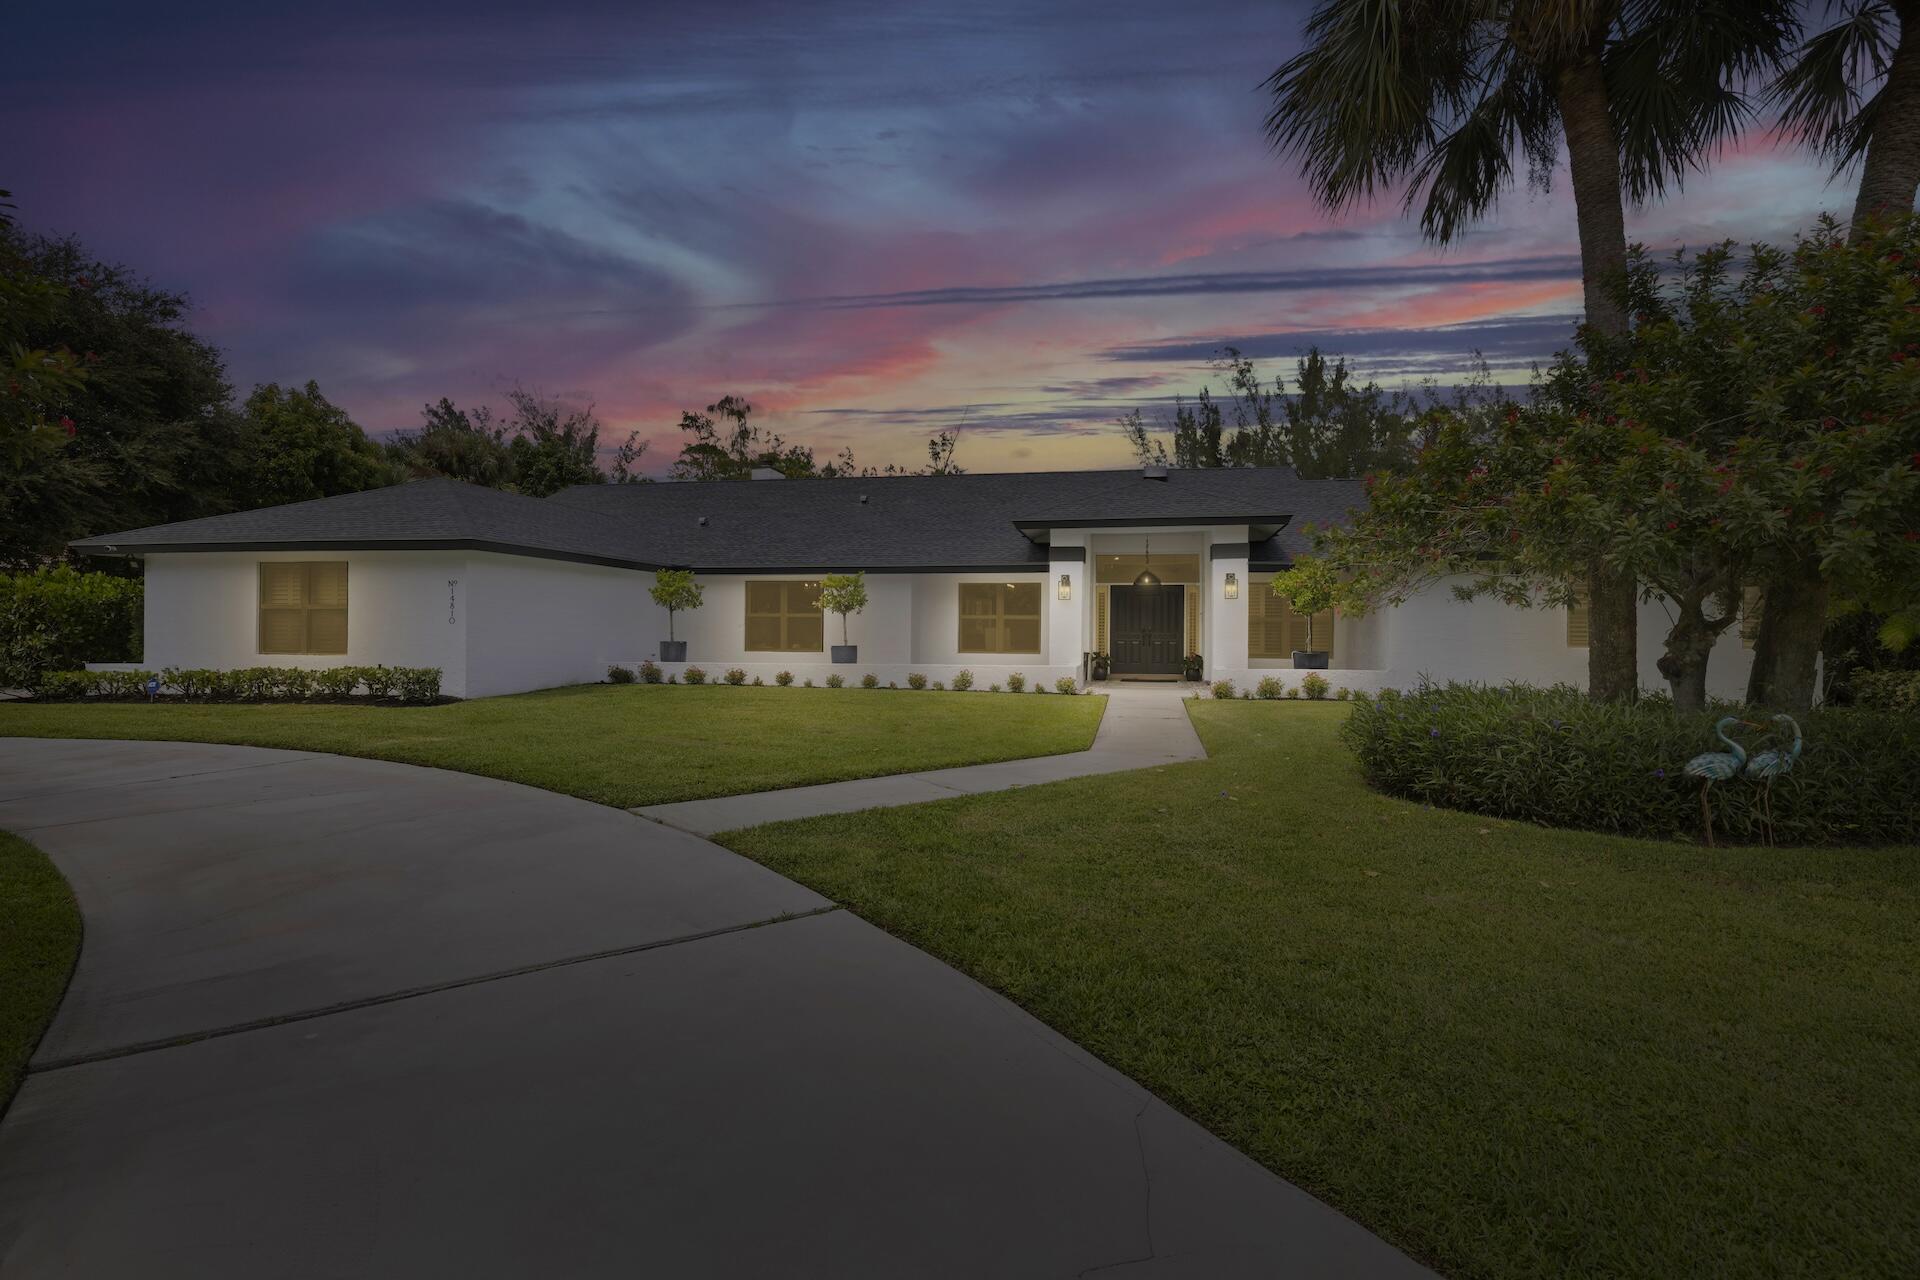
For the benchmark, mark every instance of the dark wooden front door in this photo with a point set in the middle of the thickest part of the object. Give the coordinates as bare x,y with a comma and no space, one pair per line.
1146,629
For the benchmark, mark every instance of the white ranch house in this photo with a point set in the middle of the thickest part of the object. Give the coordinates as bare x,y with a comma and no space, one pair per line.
992,573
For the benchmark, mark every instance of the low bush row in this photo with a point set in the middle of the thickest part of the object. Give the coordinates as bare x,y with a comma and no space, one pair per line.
57,619
1887,690
650,673
1556,757
246,684
1313,686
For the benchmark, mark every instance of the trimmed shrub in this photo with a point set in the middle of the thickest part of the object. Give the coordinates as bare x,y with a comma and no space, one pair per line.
916,680
1223,688
649,672
253,684
1016,682
695,675
938,687
1291,694
1888,690
758,683
617,674
1067,684
1268,688
380,681
807,683
60,619
63,686
334,684
1314,685
836,682
993,688
1555,757
784,679
962,681
869,681
419,684
736,676
1342,694
1246,695
1039,688
892,684
292,684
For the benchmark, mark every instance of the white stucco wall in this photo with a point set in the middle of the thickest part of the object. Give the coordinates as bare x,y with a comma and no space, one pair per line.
533,624
202,610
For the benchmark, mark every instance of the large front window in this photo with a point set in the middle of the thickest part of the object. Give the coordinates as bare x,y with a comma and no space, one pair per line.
784,617
999,617
303,606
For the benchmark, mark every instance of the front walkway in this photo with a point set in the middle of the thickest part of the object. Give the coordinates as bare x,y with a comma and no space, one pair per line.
1144,725
344,1017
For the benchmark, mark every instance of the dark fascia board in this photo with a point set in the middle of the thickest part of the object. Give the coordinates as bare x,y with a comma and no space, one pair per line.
1030,566
1032,529
1228,550
1066,554
95,547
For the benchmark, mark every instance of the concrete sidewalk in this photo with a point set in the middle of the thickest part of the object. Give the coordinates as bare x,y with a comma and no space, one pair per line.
1144,725
342,1017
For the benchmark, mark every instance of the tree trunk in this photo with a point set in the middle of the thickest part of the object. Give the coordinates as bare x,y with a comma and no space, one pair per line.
1684,664
1786,651
1892,170
1593,156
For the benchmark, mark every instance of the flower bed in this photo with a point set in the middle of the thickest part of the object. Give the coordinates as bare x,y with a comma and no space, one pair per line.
1555,757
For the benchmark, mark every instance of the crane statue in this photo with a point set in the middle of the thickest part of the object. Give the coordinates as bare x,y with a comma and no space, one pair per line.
1776,763
1717,766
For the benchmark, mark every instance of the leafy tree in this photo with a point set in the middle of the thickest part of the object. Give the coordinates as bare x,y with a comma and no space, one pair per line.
551,446
304,446
1749,422
675,590
843,593
540,447
455,443
1443,97
724,443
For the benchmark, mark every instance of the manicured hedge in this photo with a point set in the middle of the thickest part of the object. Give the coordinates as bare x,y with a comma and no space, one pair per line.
246,684
57,619
1555,757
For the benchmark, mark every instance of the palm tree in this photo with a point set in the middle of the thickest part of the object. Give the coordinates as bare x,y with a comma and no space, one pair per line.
1852,93
1443,97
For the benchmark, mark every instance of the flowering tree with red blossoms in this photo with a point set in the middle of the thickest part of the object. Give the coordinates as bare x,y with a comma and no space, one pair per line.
1762,429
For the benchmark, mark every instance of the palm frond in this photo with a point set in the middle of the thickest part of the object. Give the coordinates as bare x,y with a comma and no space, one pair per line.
1828,95
1468,167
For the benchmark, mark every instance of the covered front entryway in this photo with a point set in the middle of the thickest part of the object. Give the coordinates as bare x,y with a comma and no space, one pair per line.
1148,629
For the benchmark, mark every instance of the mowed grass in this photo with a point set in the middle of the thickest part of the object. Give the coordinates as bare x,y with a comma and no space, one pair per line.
1513,1052
624,745
39,939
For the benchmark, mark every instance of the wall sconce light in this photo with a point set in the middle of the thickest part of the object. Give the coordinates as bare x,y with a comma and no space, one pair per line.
1066,587
1233,586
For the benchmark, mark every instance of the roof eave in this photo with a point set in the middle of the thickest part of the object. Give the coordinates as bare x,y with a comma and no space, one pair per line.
108,547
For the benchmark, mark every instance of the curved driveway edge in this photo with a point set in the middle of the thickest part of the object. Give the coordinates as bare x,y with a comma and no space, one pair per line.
345,1017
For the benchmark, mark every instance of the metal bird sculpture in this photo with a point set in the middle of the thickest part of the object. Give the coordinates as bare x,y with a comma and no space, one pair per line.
1776,763
1717,766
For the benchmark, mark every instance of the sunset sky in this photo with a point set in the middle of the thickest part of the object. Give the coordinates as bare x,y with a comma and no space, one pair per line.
873,220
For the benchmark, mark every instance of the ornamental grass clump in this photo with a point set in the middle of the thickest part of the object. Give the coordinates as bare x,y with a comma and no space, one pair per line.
1556,757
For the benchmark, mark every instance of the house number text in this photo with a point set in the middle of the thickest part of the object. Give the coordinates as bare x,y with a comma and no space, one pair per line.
453,595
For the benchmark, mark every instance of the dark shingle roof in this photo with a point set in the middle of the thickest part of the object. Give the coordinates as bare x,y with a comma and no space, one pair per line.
888,523
421,516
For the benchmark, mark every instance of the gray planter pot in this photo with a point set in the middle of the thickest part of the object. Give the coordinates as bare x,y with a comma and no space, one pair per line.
673,651
846,653
1310,659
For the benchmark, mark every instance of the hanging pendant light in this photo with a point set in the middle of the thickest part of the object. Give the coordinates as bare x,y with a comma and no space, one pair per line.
1146,577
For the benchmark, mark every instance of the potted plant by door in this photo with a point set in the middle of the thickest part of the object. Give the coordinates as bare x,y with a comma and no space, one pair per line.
674,590
1101,665
1310,587
844,593
1194,667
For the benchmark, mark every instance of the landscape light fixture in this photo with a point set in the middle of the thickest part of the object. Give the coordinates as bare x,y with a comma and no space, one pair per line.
1146,577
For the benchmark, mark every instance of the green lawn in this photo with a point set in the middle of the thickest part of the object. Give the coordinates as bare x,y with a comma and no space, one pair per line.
625,745
1513,1052
39,938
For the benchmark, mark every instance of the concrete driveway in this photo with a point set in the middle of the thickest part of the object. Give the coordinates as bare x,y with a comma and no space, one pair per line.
346,1018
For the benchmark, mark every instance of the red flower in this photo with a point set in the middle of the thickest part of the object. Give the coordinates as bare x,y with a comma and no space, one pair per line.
1673,524
66,424
1816,310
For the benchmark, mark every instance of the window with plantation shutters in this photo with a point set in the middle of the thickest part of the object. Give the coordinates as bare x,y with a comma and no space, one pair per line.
1193,622
784,617
1100,620
999,617
303,607
1268,635
1577,624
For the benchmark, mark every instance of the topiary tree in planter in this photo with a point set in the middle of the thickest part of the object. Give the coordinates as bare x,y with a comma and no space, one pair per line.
1310,587
674,590
844,593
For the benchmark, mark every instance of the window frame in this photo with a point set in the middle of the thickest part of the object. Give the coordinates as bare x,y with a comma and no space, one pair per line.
786,615
306,609
1001,616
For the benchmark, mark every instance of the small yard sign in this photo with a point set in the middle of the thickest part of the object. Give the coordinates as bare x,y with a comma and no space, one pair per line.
153,687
